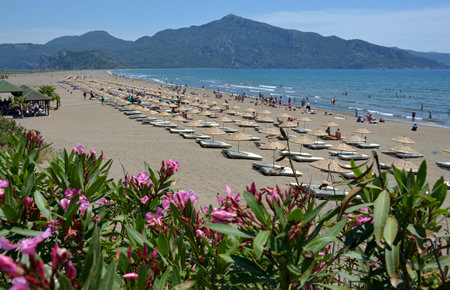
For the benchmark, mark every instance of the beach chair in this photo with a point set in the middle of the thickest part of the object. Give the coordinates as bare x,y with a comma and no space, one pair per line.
213,144
301,130
323,192
278,171
180,130
408,155
318,146
194,136
348,157
233,154
306,158
228,129
165,124
367,145
293,153
443,164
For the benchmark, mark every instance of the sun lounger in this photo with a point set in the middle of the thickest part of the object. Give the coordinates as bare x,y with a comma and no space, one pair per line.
283,139
443,164
331,138
180,130
354,143
408,155
337,153
228,129
254,138
318,146
293,153
136,116
213,144
306,158
301,130
274,171
195,136
367,145
324,192
448,184
240,155
164,124
131,112
353,156
209,124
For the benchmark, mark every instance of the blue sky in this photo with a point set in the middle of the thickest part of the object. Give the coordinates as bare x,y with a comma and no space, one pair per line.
422,25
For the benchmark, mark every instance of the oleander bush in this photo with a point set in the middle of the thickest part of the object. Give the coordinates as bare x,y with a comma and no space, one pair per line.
70,226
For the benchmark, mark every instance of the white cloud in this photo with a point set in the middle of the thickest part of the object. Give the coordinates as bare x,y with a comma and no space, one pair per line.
422,30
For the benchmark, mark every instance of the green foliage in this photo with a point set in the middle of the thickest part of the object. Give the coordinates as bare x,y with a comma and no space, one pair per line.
140,233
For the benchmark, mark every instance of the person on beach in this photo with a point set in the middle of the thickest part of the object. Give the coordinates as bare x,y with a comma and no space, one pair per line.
328,131
84,95
413,114
308,107
338,134
429,115
103,100
414,127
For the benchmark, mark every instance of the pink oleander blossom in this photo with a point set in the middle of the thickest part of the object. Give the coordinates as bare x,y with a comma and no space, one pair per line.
155,219
131,276
84,204
26,246
200,233
69,193
143,178
20,283
64,203
171,167
179,199
78,150
144,200
236,198
27,201
8,266
3,184
221,216
71,271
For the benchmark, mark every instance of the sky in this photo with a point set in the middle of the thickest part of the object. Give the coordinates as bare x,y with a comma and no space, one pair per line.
421,25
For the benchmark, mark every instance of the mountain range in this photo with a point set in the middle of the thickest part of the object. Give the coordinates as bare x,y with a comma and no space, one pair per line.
230,42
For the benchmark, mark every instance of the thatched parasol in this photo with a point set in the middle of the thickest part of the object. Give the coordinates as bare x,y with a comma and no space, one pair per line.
405,165
270,131
403,140
330,165
447,150
245,124
164,115
249,110
302,140
404,149
230,112
342,147
213,131
238,136
304,120
354,138
273,146
178,119
223,120
284,115
318,133
205,113
287,125
264,112
193,123
330,124
215,108
362,131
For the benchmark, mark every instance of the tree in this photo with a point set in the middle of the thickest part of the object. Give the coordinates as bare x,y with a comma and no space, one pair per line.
20,103
50,92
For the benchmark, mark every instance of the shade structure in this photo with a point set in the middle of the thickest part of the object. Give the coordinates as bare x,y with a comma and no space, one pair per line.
245,124
318,133
247,115
7,87
205,113
304,120
405,165
181,109
230,112
404,149
273,146
287,125
223,120
302,140
215,108
330,165
264,120
284,115
362,131
271,131
150,113
143,109
213,131
238,136
403,140
171,106
354,138
164,115
342,147
178,119
235,107
330,124
194,111
193,123
134,107
249,110
265,112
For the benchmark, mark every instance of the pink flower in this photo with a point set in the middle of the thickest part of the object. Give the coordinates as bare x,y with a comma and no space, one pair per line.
3,184
102,201
132,276
20,283
171,167
221,216
144,199
7,245
71,271
155,219
143,178
8,265
64,203
84,204
69,193
27,201
28,246
78,150
200,233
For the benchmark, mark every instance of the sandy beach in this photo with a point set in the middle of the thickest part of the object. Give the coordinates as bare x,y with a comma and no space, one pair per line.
205,171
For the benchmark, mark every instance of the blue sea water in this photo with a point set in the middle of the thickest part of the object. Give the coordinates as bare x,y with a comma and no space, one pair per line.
387,94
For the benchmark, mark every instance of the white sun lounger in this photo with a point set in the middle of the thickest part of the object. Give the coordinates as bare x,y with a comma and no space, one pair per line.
213,144
318,146
443,164
195,136
353,156
282,138
209,124
408,155
228,129
337,153
131,112
164,124
273,171
180,130
240,155
324,192
301,130
367,145
306,158
293,153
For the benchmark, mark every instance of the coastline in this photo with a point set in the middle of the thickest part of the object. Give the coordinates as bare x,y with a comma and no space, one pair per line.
205,171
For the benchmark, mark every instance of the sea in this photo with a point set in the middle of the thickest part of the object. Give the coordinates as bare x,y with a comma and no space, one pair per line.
386,94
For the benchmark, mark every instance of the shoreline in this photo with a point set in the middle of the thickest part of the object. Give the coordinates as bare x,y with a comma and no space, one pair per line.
205,171
386,116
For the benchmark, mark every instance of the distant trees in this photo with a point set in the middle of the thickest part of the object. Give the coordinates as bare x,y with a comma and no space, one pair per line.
50,92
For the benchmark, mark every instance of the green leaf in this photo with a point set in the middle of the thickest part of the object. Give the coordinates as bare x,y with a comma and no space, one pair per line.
296,215
321,242
259,242
9,212
381,211
42,205
163,245
108,279
226,229
142,277
257,208
312,214
390,230
246,264
163,281
444,261
332,287
137,237
64,282
25,232
392,257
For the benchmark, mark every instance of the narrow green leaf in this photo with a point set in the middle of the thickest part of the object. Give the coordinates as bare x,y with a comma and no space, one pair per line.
248,265
9,212
42,205
25,232
142,277
392,257
259,242
137,237
108,279
296,215
381,211
257,208
444,261
163,281
321,242
226,229
163,245
390,230
64,282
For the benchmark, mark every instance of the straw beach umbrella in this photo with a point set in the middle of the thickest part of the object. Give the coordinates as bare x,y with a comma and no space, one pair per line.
223,120
354,139
238,136
271,131
405,165
318,133
245,124
213,131
273,146
330,124
447,150
302,140
193,123
205,113
403,140
362,131
330,165
178,119
164,115
342,147
265,112
404,149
